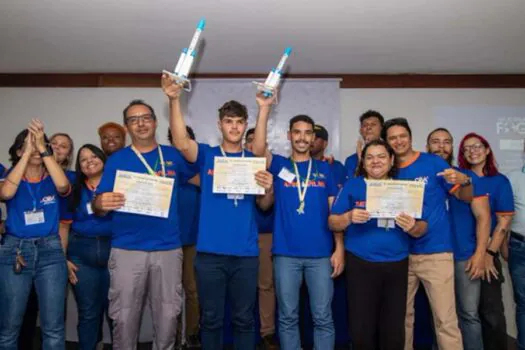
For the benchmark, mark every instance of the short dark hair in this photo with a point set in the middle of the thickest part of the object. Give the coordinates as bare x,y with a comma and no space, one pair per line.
189,130
17,145
249,132
361,168
138,103
439,129
302,118
233,109
372,114
395,122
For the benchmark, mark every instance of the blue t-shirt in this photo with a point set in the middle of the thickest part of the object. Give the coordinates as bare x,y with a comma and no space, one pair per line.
369,241
501,198
302,235
189,207
351,165
226,225
142,232
84,222
438,238
338,172
463,222
265,220
33,199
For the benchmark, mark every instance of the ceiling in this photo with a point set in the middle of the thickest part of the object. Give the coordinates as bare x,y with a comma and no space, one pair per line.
247,36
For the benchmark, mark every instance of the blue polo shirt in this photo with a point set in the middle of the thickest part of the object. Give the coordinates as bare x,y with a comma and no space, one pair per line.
189,207
351,163
501,198
142,232
369,241
41,196
226,226
463,221
302,235
425,167
83,221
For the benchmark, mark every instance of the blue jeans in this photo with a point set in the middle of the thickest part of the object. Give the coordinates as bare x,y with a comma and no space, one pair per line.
90,255
468,294
288,272
517,272
220,277
46,268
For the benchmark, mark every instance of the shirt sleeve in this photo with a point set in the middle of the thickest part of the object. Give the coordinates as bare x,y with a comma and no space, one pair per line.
504,198
277,164
201,154
440,166
108,176
185,169
350,166
343,202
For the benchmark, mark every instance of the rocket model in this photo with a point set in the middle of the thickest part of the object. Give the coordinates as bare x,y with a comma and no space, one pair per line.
185,62
274,78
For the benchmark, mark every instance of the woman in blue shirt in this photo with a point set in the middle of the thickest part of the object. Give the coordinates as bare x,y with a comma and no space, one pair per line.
31,251
376,255
88,247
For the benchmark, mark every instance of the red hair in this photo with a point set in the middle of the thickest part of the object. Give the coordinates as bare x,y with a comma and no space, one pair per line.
490,168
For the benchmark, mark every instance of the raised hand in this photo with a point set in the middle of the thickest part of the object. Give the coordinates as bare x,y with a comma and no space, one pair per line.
263,101
170,88
36,129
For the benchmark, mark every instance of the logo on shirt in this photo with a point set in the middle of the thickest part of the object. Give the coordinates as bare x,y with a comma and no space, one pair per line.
360,204
210,172
311,183
47,200
422,179
319,175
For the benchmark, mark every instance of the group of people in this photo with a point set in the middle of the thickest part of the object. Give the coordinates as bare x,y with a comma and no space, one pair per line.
309,227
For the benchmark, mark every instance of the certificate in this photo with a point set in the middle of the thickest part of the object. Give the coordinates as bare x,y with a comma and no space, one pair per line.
389,198
236,175
145,194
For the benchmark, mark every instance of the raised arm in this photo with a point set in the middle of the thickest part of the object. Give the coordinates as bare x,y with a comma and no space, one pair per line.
36,129
181,140
261,127
10,185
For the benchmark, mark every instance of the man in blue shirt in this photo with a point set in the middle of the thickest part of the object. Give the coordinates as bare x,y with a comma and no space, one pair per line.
470,231
146,254
226,264
371,123
430,260
303,243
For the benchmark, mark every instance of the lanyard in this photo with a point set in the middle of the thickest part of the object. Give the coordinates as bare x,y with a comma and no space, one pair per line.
224,153
301,191
35,195
141,158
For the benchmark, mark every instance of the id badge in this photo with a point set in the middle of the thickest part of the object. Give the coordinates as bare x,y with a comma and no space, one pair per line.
235,196
385,223
34,217
89,209
286,175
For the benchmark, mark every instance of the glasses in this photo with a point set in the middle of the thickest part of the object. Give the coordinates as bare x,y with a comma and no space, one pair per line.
475,147
145,118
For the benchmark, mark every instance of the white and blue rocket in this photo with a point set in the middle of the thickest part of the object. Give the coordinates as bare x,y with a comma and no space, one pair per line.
274,78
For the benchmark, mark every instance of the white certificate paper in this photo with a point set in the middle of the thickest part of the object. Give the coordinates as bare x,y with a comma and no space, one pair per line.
145,194
389,198
237,175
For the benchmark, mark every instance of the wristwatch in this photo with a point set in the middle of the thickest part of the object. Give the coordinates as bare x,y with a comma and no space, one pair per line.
468,182
492,253
48,152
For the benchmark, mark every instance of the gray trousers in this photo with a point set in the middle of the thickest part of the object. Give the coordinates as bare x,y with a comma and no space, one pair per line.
135,275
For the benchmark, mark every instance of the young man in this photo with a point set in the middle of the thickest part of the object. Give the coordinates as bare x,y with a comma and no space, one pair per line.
265,221
470,229
371,123
189,206
318,148
146,254
226,264
112,137
303,244
430,260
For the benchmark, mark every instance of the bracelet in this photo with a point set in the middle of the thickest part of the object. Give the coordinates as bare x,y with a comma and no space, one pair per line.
492,253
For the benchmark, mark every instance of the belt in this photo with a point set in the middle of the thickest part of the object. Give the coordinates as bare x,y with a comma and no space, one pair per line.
517,236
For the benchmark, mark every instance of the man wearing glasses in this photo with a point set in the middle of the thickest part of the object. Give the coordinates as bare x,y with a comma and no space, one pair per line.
430,261
146,253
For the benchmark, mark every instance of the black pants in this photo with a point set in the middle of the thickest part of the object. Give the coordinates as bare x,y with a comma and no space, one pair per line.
377,297
491,312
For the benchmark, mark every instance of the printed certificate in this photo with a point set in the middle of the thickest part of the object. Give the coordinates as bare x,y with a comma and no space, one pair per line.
237,175
145,194
388,198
